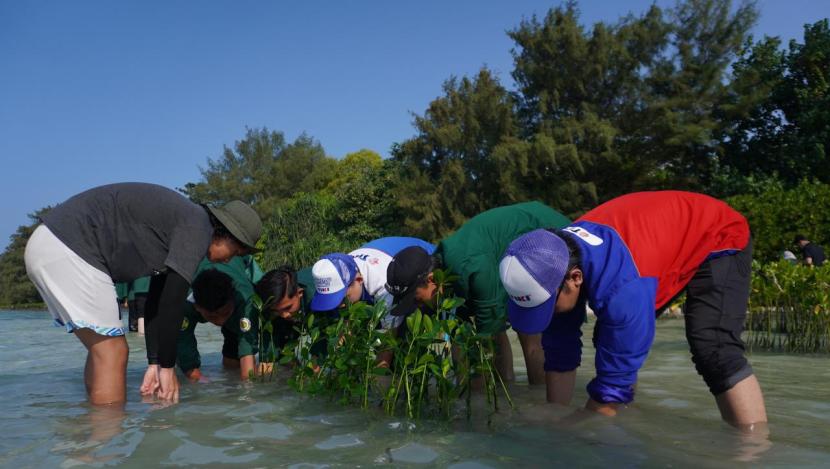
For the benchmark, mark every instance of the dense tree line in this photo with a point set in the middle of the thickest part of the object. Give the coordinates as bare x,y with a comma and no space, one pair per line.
680,98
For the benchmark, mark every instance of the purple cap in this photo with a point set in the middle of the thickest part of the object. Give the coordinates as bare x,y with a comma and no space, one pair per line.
532,271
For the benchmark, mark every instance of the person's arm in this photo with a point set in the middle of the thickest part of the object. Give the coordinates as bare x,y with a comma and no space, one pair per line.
163,317
187,350
248,340
623,337
562,344
247,366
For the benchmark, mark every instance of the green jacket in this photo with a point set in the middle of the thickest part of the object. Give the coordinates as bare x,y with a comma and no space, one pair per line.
474,252
239,330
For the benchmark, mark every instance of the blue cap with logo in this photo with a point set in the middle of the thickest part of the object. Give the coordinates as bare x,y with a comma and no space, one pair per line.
333,274
532,270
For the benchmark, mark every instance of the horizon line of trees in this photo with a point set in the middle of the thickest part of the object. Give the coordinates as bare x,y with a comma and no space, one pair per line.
680,98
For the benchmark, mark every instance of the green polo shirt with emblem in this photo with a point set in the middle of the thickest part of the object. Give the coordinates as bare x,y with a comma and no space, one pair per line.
239,327
475,250
282,329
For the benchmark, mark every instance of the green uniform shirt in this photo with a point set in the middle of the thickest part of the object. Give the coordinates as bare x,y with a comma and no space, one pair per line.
239,330
139,286
283,330
475,250
121,290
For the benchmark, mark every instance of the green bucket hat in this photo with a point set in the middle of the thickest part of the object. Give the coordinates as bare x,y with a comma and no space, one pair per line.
240,220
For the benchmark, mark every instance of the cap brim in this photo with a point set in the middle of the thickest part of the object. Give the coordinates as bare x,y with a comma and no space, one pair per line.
230,224
405,304
531,320
328,301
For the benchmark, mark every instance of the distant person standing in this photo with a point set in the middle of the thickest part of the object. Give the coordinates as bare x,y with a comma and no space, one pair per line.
118,233
136,300
813,253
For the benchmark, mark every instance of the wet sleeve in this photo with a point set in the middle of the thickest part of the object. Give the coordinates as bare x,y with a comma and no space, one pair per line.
623,337
187,350
562,340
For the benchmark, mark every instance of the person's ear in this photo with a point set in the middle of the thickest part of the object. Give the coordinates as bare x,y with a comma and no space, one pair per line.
358,278
300,291
430,278
576,277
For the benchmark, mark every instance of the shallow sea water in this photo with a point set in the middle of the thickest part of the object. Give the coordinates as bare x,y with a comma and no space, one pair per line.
45,421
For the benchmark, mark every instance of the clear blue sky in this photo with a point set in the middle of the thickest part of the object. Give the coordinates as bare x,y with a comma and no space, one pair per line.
94,92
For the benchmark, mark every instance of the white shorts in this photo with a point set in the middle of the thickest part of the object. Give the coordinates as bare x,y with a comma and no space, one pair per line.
78,295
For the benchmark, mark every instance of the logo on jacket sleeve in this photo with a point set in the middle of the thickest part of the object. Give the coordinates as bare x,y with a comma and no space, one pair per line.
245,324
585,235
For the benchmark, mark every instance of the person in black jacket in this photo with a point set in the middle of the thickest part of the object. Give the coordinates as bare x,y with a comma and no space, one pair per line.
813,253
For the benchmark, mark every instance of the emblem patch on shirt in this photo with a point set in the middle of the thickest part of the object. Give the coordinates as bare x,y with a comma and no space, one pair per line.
585,235
185,324
245,324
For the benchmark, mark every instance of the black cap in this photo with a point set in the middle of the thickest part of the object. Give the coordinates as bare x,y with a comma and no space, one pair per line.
408,268
799,238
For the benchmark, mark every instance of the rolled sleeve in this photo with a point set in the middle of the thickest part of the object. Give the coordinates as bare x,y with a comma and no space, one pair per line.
623,337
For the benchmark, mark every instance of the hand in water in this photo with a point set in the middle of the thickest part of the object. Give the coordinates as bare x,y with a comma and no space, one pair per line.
150,384
196,376
169,385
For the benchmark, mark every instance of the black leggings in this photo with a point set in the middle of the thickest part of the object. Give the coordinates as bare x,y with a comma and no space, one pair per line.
715,310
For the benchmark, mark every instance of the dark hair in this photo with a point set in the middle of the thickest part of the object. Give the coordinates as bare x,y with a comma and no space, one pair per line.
574,259
434,263
799,238
276,284
212,289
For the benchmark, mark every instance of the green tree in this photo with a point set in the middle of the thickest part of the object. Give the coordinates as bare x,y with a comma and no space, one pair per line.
15,286
447,172
636,102
776,214
806,100
300,230
365,203
582,94
263,169
778,122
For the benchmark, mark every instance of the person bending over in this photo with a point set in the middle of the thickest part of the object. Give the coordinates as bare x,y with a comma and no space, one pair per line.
628,258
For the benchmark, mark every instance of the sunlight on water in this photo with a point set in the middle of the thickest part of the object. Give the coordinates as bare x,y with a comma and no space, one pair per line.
47,423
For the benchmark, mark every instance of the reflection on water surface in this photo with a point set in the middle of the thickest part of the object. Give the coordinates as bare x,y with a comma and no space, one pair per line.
47,423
